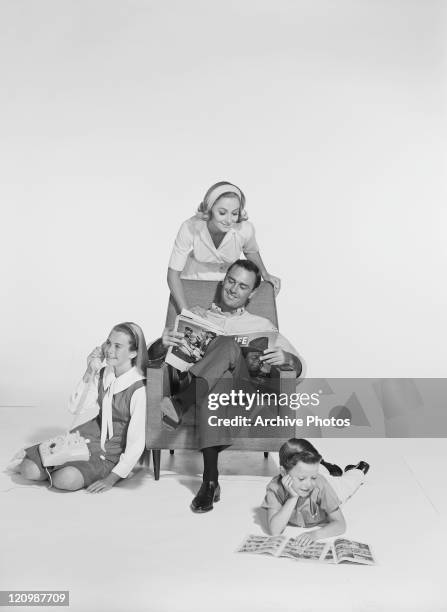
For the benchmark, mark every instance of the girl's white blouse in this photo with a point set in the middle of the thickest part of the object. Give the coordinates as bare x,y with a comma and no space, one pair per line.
196,257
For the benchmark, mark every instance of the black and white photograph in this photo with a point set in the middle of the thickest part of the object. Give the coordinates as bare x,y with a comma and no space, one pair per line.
223,305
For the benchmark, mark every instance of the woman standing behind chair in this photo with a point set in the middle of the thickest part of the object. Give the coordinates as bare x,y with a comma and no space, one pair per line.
208,243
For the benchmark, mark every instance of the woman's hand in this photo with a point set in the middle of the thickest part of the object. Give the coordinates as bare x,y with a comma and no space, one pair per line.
305,539
199,311
103,485
171,337
276,282
287,484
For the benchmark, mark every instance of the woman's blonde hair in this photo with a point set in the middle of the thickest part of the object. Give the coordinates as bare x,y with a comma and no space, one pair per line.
217,191
137,343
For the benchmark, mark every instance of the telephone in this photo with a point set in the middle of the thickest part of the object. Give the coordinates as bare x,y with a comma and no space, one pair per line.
63,448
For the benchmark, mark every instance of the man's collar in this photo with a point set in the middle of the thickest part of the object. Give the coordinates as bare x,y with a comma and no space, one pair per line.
218,310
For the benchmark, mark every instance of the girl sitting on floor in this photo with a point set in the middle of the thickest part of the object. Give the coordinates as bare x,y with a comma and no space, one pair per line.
116,436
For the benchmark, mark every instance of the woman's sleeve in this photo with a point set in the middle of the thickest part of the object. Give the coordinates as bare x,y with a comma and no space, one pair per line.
249,238
136,434
85,396
182,247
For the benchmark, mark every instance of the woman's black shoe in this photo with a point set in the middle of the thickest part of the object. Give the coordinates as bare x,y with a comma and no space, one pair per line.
208,493
361,465
332,468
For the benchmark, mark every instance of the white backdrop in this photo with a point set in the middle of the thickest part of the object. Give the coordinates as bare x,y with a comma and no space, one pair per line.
118,115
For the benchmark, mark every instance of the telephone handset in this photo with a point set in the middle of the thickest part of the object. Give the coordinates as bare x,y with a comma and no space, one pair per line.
96,361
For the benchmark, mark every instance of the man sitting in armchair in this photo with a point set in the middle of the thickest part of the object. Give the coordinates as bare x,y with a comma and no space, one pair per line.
223,359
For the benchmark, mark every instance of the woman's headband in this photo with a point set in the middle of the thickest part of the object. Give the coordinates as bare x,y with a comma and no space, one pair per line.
214,194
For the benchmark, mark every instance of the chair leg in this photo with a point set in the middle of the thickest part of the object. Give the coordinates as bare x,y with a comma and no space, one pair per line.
266,454
156,456
171,452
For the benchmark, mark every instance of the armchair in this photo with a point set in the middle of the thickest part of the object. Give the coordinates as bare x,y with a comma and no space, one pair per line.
163,380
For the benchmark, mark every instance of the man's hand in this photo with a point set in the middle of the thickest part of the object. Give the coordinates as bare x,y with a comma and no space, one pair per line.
105,484
171,337
274,356
305,539
287,482
199,311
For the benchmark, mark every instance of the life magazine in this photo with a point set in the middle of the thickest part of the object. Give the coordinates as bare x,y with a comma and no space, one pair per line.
341,550
198,332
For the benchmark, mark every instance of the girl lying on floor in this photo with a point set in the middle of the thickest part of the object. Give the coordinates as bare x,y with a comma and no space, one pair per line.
301,496
115,437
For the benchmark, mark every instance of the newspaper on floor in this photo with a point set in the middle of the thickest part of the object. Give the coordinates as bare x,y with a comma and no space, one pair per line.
341,550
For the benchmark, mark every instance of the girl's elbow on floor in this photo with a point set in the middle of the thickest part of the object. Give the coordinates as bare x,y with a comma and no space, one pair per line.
274,531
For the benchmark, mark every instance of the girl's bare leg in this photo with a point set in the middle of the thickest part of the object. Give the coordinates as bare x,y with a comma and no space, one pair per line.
29,470
68,478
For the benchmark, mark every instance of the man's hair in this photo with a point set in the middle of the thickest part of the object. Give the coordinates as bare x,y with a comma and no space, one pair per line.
295,450
250,266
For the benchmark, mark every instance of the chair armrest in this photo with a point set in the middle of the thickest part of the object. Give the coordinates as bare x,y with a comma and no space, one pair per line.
285,377
284,371
157,353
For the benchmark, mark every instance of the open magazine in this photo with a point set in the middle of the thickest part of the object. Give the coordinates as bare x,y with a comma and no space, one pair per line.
341,550
198,333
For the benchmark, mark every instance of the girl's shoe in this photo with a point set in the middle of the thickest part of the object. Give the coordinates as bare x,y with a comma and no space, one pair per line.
332,468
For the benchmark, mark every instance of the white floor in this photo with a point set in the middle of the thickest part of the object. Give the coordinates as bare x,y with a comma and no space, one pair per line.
139,547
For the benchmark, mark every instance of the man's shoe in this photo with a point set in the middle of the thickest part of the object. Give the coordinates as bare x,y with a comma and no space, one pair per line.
171,413
332,468
361,465
208,493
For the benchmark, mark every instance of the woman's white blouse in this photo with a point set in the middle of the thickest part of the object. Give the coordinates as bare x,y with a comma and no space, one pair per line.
195,255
